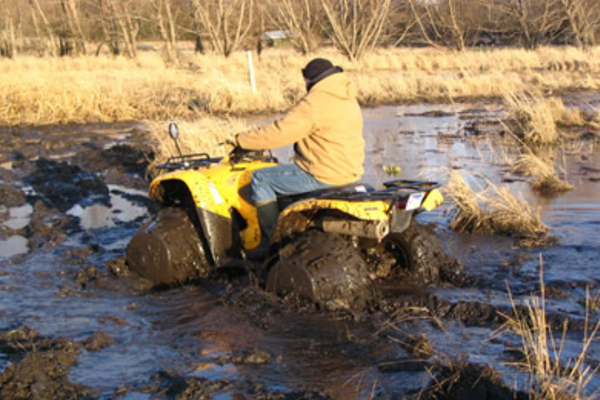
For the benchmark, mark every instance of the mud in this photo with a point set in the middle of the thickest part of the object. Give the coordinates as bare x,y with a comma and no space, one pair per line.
463,381
40,365
77,323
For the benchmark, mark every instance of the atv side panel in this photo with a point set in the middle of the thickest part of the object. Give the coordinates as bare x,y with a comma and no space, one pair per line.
227,221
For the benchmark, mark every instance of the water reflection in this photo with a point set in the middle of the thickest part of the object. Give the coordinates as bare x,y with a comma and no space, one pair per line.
19,217
13,246
121,210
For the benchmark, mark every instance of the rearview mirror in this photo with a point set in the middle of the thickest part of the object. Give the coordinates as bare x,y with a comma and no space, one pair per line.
173,130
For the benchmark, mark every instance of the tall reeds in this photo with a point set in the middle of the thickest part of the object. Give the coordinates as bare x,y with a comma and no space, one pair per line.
530,117
535,121
554,375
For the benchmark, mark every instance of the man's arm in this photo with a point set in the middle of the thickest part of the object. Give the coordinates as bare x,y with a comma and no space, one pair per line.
295,125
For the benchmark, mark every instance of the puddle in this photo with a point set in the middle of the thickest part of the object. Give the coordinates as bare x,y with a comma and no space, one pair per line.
212,371
121,209
19,217
13,246
206,331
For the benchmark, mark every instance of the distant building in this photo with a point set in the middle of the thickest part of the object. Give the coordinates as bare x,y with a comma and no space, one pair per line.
273,38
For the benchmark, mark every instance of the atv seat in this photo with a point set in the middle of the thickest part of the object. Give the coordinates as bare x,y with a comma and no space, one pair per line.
353,191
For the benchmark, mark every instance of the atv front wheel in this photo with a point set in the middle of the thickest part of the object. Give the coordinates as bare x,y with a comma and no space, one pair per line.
323,268
168,249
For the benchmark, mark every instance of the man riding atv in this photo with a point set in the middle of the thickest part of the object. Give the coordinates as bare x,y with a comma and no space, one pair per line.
326,130
314,232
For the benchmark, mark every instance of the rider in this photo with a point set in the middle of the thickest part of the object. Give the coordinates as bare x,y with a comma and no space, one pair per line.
326,130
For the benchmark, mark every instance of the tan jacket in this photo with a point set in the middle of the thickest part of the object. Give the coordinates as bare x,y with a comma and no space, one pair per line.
326,127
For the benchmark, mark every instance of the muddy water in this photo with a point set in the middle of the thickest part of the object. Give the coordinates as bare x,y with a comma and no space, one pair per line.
72,198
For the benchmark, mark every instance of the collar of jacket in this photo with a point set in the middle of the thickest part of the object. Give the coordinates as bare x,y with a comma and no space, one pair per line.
323,75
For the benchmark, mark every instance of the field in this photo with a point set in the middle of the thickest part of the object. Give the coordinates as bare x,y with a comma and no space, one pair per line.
90,89
512,135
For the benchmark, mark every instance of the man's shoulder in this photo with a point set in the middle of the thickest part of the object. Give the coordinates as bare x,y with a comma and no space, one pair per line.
337,86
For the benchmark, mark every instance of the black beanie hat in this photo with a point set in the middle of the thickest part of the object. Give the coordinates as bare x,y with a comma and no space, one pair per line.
315,68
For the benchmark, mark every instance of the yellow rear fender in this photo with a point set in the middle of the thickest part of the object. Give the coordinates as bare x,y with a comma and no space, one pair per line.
433,200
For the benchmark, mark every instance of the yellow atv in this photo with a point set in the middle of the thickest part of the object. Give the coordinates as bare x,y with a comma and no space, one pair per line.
328,246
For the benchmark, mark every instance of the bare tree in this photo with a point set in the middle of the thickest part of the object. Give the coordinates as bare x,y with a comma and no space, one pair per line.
401,23
8,40
199,45
167,27
227,22
533,21
302,19
448,23
109,28
71,13
37,10
356,25
583,20
122,25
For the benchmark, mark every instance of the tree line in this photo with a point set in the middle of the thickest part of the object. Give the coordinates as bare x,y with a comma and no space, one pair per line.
355,27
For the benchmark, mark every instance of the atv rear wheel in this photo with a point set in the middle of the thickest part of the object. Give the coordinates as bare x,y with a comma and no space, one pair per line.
168,249
323,268
415,253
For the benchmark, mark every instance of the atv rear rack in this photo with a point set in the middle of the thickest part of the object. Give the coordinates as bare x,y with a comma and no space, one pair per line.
392,189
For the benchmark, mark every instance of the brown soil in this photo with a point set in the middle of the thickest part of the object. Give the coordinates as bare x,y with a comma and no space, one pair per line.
40,365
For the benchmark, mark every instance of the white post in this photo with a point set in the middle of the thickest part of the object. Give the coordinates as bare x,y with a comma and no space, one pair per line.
251,70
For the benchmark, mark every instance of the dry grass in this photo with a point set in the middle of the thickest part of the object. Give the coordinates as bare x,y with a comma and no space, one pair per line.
536,118
531,117
552,377
201,136
546,180
550,185
595,123
491,210
101,89
564,116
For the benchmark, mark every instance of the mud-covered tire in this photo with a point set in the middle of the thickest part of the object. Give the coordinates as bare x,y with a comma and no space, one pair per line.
168,250
416,253
323,268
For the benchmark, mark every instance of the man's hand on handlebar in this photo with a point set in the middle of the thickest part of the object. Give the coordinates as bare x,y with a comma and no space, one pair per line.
233,148
236,153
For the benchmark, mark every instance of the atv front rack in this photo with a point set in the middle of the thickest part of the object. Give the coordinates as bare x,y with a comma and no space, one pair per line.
189,161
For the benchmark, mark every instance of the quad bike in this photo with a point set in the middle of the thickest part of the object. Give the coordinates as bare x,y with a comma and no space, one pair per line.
328,246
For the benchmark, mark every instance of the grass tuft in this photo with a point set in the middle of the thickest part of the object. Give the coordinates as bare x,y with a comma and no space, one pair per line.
546,180
531,117
491,210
